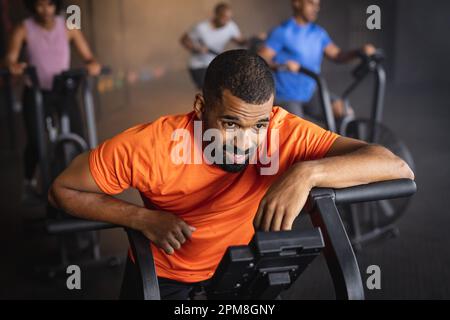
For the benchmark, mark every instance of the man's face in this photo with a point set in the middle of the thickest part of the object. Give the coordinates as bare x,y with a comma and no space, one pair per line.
243,128
308,9
223,17
45,10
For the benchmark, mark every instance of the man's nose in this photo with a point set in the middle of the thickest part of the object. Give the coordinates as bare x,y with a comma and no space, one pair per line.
243,140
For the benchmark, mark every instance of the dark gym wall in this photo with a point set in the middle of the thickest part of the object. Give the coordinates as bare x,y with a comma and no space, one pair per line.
345,21
422,48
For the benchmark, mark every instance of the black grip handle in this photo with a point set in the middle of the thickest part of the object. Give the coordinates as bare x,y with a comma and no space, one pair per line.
376,191
82,72
384,190
76,225
378,56
303,70
309,73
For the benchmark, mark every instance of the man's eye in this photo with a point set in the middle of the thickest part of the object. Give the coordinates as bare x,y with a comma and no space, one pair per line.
260,126
230,125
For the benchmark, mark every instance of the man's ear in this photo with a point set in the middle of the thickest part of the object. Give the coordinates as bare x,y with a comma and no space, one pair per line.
199,106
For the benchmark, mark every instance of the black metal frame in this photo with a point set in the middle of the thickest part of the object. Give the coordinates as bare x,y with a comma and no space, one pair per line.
340,258
9,103
324,96
43,148
338,251
368,65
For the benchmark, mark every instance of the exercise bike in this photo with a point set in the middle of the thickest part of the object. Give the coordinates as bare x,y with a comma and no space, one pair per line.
8,97
369,221
273,261
58,145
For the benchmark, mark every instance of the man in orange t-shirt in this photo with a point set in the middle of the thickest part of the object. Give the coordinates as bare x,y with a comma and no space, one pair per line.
209,178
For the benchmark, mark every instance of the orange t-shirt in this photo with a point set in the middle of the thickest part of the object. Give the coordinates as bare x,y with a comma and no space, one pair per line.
220,205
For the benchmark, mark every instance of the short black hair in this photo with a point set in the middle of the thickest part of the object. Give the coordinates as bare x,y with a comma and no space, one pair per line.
220,7
31,5
246,75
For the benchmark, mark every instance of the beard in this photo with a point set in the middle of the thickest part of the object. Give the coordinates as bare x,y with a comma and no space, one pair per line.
230,165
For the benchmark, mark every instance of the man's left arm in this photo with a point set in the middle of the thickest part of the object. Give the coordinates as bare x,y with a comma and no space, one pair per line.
337,55
349,162
236,35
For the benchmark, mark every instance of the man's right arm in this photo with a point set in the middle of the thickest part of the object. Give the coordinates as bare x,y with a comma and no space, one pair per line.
269,54
273,46
191,46
76,193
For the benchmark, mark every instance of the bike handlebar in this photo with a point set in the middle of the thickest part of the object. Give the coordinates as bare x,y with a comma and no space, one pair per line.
376,191
384,190
76,225
83,72
378,56
370,192
70,73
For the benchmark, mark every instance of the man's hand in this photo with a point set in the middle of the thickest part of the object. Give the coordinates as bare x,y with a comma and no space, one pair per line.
76,192
200,50
368,49
283,201
293,66
349,162
334,53
165,230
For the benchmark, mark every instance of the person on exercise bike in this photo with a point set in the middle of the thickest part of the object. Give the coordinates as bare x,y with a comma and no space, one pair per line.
208,39
299,42
47,43
193,209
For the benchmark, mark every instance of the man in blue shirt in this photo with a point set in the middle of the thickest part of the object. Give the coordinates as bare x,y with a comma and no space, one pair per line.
300,42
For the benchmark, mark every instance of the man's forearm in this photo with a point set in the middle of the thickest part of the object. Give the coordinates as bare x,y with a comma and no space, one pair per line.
189,45
344,57
368,164
98,207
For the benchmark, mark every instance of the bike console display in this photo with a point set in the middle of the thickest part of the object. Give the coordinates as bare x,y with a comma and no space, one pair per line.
271,263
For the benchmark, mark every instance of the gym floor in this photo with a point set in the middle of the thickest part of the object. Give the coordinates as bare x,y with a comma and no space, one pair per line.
414,265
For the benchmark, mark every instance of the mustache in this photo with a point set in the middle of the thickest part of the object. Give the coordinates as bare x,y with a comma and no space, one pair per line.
238,151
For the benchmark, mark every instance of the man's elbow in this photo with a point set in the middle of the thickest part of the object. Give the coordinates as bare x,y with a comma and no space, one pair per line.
401,169
405,170
53,194
184,39
58,194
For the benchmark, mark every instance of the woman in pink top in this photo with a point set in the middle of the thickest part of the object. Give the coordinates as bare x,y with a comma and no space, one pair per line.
48,49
